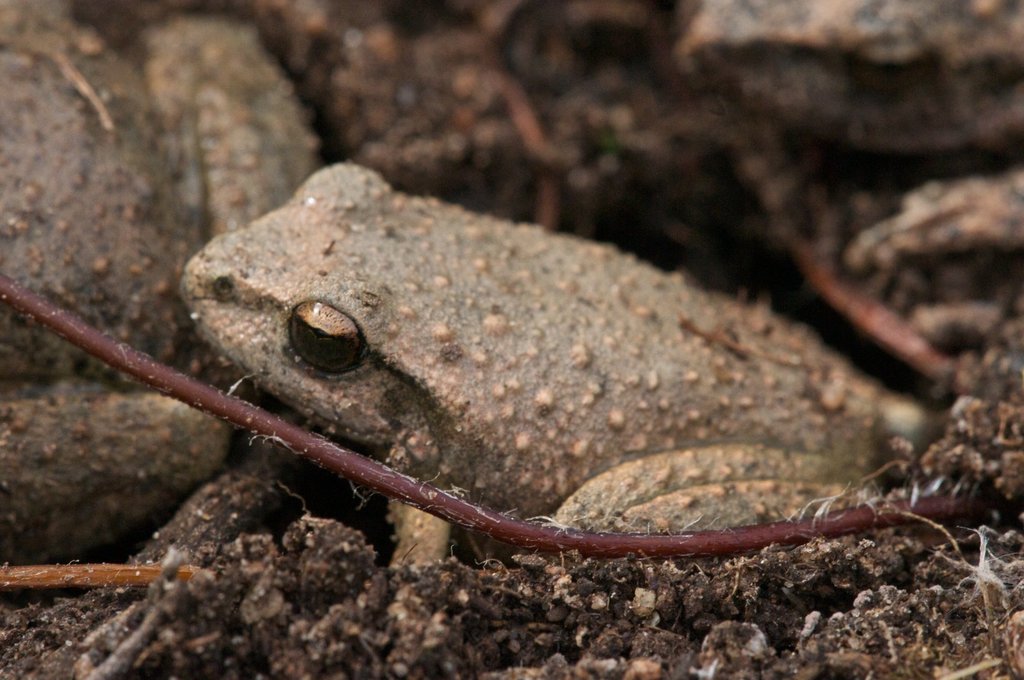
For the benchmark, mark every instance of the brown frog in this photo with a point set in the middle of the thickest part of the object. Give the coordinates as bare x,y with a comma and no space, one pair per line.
91,216
516,365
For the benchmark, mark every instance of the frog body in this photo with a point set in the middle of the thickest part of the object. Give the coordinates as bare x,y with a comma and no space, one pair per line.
513,363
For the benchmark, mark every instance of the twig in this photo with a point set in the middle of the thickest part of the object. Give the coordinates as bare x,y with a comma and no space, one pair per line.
84,87
524,118
940,529
659,41
719,337
73,75
972,670
429,498
44,576
527,124
123,657
873,318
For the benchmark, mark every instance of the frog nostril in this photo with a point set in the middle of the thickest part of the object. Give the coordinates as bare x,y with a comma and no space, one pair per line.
223,287
325,337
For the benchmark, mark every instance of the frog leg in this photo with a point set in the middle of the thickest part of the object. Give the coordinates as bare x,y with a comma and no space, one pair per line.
713,486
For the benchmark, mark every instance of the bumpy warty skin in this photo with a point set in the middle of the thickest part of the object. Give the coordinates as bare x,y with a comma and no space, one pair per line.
508,361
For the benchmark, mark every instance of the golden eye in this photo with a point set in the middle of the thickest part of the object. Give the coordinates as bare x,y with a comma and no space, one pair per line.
325,337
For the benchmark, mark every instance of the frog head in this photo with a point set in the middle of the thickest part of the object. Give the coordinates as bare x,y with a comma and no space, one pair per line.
306,305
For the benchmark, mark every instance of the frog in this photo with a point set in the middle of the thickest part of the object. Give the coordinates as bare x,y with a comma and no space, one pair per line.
516,366
116,168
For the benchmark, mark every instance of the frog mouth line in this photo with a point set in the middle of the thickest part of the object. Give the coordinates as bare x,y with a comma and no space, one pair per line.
402,404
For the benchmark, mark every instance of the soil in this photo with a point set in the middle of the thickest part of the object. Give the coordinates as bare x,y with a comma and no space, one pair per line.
630,147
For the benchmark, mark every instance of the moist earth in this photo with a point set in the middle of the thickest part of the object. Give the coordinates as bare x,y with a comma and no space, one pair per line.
644,139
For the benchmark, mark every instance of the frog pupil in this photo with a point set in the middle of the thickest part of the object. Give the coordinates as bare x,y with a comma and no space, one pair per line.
325,337
223,287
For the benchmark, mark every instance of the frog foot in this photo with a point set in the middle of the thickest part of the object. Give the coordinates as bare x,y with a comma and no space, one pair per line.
420,538
708,487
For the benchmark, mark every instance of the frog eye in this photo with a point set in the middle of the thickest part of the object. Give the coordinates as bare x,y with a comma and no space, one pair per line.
325,337
223,287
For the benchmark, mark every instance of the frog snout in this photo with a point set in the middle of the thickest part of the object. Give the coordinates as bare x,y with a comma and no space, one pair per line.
202,279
